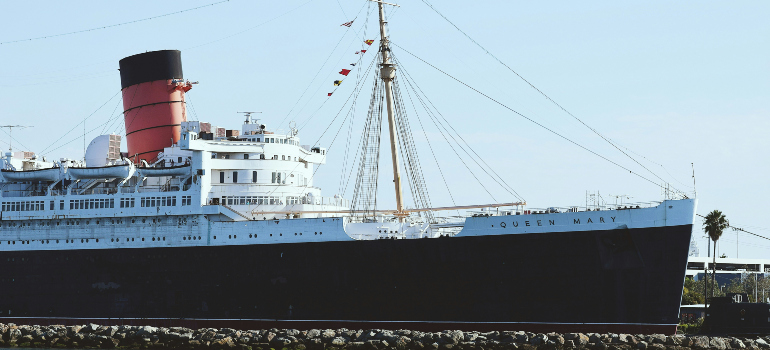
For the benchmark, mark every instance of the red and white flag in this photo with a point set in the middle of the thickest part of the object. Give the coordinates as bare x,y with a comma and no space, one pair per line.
347,24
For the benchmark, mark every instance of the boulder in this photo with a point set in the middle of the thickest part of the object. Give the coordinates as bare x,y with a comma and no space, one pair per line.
657,339
717,343
675,340
313,333
736,343
539,339
700,342
339,341
642,345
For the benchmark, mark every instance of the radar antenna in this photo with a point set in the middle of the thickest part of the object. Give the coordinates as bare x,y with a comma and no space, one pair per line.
248,116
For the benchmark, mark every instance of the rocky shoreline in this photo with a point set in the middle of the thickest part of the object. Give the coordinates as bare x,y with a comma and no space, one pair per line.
137,337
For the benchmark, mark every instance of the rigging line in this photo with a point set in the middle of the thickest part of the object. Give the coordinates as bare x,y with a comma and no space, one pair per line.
740,229
313,80
14,139
112,117
501,181
453,148
189,100
113,25
435,159
439,128
531,120
250,28
316,143
543,93
78,138
312,115
83,121
54,82
304,123
343,11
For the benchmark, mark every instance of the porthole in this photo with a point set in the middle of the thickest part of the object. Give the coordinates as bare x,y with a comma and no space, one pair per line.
320,233
57,241
153,239
77,222
97,222
184,238
132,239
142,239
117,239
235,236
316,233
86,240
295,233
164,238
112,239
97,240
133,221
249,235
88,222
229,236
143,220
300,233
81,240
271,235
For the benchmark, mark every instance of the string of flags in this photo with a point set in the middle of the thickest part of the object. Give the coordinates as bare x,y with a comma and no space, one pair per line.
347,24
344,71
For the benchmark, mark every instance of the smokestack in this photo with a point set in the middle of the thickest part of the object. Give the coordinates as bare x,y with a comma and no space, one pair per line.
153,101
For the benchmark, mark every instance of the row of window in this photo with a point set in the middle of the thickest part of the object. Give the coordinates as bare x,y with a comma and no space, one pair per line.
96,203
25,206
277,177
248,156
132,239
85,240
153,202
251,200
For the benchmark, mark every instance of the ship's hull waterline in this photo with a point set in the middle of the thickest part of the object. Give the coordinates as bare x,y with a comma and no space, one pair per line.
620,280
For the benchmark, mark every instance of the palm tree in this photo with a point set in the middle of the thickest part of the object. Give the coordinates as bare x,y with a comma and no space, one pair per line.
714,223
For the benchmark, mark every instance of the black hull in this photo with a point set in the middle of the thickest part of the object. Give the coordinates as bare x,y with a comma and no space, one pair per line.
618,280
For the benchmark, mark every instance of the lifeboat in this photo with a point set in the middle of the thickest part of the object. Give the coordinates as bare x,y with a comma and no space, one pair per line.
179,170
106,172
50,174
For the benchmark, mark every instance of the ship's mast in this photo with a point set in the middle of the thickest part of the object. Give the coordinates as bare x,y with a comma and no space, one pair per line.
387,74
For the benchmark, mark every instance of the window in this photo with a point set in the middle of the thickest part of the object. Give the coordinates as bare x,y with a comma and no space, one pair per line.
278,178
245,156
221,177
227,156
179,160
235,177
258,139
253,177
283,157
262,156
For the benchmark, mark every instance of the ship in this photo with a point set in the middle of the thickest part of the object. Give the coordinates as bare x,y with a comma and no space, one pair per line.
202,226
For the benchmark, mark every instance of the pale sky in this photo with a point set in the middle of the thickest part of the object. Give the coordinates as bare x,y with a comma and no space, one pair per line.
672,83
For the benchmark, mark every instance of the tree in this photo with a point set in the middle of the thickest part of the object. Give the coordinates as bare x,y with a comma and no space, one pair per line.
714,224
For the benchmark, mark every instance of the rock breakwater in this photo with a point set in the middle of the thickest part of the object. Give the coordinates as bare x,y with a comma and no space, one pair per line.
137,337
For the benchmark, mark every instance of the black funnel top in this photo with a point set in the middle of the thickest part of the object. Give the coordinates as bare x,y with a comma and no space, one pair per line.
150,66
